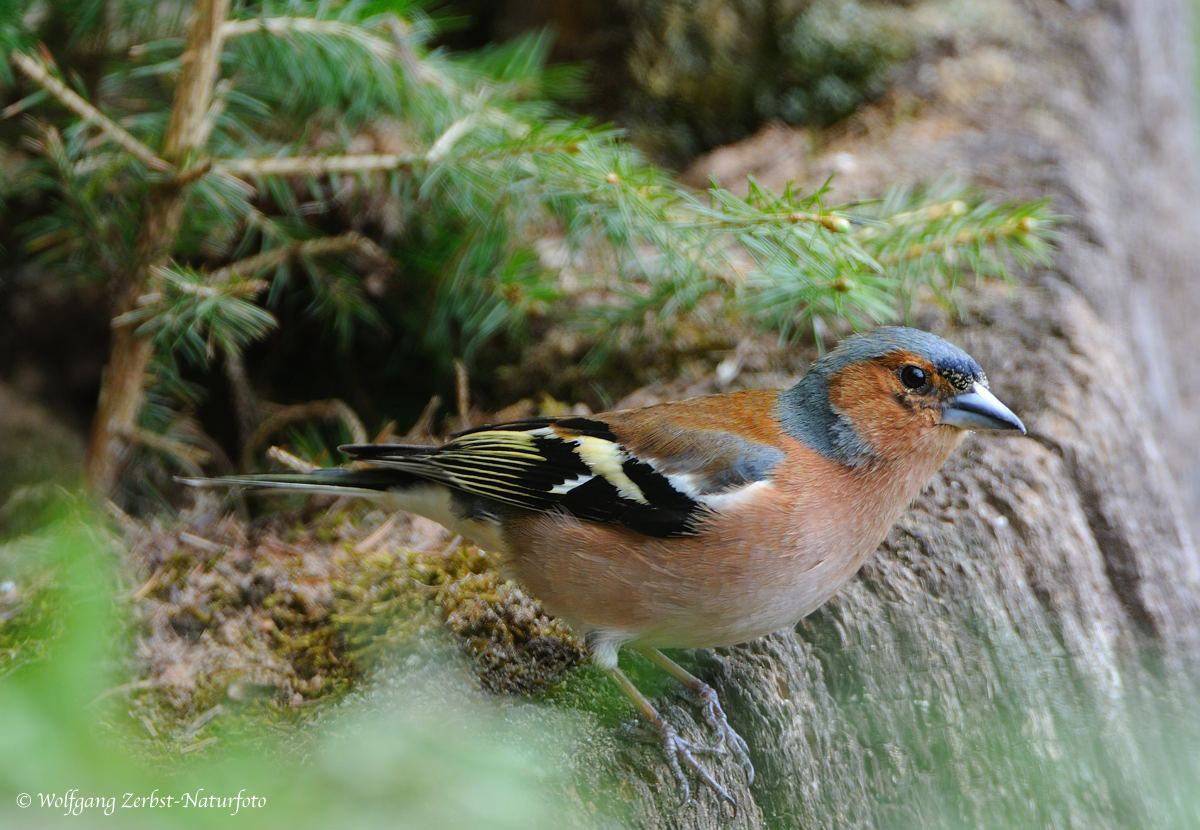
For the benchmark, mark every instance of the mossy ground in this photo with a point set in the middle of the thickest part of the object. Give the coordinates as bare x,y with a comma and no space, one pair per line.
239,626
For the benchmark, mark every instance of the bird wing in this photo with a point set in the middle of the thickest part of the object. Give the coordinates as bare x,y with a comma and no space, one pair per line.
591,468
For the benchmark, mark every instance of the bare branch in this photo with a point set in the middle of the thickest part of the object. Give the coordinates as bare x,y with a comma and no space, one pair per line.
245,402
376,537
122,386
462,389
190,458
351,240
37,72
292,462
315,410
314,165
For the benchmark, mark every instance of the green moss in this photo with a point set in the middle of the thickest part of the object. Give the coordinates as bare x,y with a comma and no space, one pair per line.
379,606
28,613
591,690
258,624
709,73
515,647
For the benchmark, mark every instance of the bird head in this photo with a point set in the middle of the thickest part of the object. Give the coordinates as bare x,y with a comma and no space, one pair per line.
889,392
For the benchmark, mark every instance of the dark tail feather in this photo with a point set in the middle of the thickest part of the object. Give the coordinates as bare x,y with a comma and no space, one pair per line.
366,452
332,481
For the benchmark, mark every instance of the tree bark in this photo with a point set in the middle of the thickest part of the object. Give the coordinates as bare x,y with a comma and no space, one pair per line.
1023,650
124,377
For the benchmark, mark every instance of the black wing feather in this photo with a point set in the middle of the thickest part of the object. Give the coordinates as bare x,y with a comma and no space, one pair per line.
576,465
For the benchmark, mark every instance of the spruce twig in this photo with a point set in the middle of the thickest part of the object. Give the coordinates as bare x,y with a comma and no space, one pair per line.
315,165
349,241
37,72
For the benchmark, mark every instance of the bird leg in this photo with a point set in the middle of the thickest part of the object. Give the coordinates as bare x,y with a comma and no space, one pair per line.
677,748
710,706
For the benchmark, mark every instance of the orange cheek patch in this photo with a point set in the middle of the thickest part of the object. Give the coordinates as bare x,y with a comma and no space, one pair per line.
869,395
864,392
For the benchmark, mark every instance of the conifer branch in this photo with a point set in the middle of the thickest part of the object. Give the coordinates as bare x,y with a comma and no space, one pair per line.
398,49
37,72
350,241
381,162
484,169
281,26
965,237
315,165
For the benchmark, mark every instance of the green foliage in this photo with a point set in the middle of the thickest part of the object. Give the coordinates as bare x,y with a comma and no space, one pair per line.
493,208
196,316
912,244
88,235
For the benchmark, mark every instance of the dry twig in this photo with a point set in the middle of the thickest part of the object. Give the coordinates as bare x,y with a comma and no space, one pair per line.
332,409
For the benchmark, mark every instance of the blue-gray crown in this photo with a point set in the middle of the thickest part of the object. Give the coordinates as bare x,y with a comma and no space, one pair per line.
953,363
806,413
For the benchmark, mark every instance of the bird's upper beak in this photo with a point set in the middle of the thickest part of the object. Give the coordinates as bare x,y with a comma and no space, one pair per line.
979,409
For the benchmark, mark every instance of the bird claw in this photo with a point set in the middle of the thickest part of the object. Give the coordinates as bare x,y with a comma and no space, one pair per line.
680,749
714,716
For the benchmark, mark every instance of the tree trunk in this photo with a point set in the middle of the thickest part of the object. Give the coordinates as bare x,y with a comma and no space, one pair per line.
124,375
1023,650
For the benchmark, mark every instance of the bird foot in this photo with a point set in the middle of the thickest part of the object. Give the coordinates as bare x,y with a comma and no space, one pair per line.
682,752
714,716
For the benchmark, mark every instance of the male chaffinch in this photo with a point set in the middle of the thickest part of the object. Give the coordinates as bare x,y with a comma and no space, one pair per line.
704,522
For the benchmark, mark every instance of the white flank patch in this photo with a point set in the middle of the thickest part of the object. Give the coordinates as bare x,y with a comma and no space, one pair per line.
686,483
606,458
690,483
732,499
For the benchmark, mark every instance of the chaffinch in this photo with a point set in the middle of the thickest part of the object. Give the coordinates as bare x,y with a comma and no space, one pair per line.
704,522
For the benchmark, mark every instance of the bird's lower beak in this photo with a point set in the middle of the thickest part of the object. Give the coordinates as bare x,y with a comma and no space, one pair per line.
979,409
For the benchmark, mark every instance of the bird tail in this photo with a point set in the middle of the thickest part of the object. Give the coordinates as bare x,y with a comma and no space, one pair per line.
336,482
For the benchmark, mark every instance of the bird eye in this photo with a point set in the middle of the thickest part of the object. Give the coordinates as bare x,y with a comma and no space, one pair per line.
915,378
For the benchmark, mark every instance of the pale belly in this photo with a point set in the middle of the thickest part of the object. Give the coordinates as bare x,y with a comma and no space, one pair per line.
677,593
731,614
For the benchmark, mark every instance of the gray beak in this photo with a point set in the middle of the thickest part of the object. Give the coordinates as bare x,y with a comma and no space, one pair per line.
979,409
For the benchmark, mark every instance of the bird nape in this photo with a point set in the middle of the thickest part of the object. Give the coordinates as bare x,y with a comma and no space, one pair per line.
698,523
